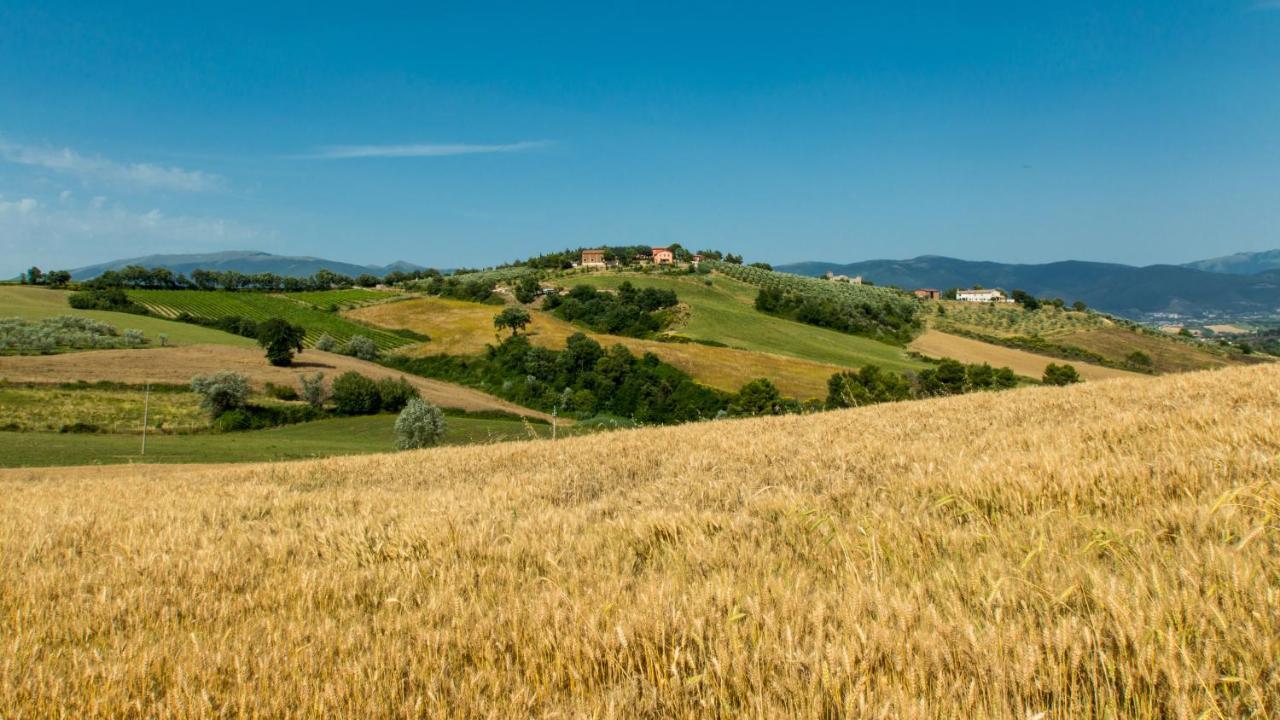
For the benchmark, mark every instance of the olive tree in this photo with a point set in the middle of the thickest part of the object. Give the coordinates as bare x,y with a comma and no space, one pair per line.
221,391
361,347
421,424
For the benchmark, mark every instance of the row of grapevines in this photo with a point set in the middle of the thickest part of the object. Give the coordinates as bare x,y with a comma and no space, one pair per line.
257,306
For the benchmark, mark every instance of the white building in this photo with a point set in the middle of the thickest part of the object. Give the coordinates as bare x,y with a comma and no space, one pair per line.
981,296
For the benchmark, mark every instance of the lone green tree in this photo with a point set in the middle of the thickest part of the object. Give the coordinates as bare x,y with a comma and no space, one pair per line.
516,318
1060,375
280,338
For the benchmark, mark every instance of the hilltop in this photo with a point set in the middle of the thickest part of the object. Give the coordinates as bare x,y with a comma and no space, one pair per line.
1245,263
1100,550
1120,289
246,261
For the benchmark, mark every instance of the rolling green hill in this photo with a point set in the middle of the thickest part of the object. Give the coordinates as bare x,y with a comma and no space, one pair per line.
721,310
34,303
262,306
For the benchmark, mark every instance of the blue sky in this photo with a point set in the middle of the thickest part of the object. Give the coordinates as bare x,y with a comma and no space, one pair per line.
472,133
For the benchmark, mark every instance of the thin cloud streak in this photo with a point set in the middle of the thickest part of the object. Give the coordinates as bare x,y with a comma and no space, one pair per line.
100,169
1266,5
346,152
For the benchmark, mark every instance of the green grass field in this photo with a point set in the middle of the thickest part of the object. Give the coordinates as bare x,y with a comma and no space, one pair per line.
322,438
262,306
35,303
725,312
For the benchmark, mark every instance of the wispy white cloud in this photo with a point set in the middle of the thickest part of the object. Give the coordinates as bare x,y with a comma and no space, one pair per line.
63,234
345,152
1266,5
99,169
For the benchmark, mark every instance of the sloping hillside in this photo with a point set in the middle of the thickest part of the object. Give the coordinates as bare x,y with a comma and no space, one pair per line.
35,303
464,328
178,365
1110,549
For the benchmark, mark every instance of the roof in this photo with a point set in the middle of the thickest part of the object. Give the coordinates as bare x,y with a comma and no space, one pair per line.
662,249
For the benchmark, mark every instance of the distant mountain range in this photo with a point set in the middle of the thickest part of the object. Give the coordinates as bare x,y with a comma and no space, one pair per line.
1121,289
1245,263
245,261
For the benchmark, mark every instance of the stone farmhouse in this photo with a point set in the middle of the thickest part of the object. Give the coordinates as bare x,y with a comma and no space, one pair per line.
981,296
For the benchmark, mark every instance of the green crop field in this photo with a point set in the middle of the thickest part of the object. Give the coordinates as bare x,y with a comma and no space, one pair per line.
35,303
344,299
724,311
322,438
262,306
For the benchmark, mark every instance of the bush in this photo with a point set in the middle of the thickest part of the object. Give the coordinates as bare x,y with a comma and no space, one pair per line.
361,347
393,395
421,424
233,421
281,392
313,391
1060,375
355,394
758,397
221,391
1137,357
326,343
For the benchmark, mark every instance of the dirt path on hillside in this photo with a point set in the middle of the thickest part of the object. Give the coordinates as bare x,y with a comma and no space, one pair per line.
937,344
180,364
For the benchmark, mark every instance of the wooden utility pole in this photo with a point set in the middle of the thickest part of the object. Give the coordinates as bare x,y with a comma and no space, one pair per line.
146,412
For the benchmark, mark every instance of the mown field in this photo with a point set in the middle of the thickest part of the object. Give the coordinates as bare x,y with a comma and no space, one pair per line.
318,439
263,306
1093,551
463,328
938,344
35,303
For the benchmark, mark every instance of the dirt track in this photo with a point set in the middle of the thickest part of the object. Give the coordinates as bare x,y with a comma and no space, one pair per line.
180,364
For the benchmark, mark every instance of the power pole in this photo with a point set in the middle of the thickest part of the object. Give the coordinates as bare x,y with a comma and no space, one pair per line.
554,414
146,412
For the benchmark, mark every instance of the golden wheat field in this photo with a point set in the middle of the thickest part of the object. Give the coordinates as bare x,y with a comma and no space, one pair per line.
1106,550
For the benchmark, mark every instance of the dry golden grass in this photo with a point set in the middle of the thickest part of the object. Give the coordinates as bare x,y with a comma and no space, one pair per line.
464,328
180,364
935,343
1106,550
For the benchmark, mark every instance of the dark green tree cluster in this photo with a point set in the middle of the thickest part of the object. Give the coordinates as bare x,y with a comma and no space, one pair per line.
104,299
459,287
356,394
527,289
36,276
889,321
630,311
583,379
873,384
1060,375
160,278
